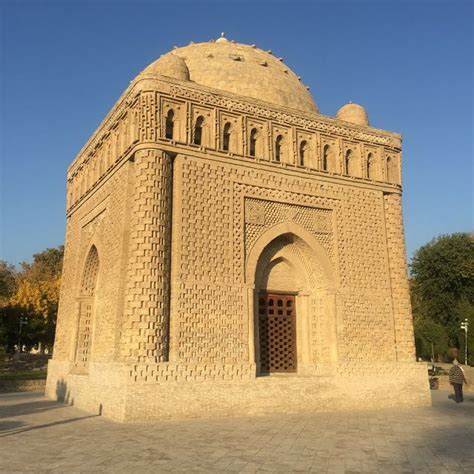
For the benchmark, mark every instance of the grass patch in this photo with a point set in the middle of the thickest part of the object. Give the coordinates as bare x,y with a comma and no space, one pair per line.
24,375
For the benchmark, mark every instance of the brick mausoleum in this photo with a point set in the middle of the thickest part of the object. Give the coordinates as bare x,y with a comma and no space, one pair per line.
231,251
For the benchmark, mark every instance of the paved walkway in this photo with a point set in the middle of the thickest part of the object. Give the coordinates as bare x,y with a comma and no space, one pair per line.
39,435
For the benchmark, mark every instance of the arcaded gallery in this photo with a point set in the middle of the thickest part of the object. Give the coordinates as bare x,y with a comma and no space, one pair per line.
232,251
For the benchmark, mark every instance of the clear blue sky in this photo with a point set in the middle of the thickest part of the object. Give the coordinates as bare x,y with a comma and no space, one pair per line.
64,64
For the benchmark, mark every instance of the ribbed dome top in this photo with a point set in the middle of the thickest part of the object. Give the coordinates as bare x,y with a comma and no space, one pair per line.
238,68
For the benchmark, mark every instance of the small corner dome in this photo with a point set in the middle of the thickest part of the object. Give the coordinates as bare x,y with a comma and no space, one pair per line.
169,65
353,113
237,68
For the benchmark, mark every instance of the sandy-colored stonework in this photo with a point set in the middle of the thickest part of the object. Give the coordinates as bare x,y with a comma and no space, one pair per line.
229,250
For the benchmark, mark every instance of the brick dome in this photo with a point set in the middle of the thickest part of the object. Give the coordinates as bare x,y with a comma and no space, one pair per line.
238,68
169,65
353,113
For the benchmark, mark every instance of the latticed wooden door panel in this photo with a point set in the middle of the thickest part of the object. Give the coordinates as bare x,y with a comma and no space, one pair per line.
277,332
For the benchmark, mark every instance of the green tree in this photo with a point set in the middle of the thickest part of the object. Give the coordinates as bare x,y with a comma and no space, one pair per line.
431,339
442,287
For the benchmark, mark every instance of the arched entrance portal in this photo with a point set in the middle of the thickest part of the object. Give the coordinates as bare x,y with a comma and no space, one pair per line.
278,283
294,320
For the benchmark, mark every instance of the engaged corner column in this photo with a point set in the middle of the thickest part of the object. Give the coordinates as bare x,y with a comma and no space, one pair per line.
145,336
403,322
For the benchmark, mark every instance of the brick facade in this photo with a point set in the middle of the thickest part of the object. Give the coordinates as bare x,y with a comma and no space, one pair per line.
193,214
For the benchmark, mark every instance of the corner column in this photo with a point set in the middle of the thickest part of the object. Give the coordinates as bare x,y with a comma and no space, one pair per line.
145,335
403,321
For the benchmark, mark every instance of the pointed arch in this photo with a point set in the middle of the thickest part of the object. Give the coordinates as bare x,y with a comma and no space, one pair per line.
278,148
87,309
282,268
226,136
286,228
302,153
253,142
326,157
348,158
287,262
169,125
370,166
197,136
391,170
90,272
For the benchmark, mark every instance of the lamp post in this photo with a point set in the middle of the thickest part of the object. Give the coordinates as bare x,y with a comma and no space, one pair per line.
23,320
465,326
432,349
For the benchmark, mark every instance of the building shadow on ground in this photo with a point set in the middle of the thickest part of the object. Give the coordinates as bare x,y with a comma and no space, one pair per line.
13,409
29,408
13,431
13,427
10,425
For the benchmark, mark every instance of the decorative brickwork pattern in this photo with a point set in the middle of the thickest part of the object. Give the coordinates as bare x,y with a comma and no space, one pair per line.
86,309
148,117
313,212
87,175
210,306
219,100
84,339
367,318
99,221
91,271
67,300
260,215
146,324
135,119
211,320
398,278
365,296
359,218
190,372
196,201
208,228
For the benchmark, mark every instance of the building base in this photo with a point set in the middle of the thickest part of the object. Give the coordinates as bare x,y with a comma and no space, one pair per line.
109,389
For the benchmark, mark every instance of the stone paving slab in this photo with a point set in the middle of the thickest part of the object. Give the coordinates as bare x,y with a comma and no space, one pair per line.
40,435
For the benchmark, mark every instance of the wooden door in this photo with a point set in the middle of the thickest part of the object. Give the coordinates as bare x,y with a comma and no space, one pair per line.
277,332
